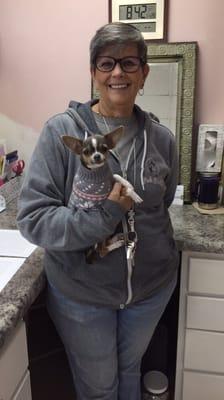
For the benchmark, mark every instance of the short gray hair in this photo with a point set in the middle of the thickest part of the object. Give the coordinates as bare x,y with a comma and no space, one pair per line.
117,33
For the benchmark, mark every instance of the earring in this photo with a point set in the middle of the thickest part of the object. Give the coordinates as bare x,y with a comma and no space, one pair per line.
141,91
95,94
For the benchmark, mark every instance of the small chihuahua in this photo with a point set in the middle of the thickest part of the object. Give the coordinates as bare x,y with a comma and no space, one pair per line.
94,179
93,153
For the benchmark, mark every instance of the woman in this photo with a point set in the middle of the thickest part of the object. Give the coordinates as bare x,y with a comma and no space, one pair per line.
106,312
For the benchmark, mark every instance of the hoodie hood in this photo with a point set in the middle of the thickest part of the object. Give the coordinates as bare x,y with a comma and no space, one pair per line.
84,117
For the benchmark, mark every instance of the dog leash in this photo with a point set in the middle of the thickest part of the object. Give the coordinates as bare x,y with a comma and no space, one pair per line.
132,237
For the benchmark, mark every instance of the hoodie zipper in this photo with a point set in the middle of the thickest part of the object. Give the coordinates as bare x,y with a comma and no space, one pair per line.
125,229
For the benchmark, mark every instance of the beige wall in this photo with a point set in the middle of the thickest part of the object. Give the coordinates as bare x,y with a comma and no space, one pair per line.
44,58
44,55
44,62
202,21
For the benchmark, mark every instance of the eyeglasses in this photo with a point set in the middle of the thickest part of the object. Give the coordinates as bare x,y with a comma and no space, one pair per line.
127,64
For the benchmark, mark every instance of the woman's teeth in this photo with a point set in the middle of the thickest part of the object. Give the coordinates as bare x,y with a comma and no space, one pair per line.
123,86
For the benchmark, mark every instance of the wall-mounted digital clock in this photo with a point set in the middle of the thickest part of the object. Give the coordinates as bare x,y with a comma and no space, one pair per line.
149,16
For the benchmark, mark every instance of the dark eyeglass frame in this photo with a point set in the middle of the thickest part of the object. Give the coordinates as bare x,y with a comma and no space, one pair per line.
120,61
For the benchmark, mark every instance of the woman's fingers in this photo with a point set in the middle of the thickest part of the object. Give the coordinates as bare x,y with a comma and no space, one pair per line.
118,195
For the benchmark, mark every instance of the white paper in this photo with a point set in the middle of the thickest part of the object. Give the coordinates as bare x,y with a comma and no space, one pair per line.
8,267
13,244
179,196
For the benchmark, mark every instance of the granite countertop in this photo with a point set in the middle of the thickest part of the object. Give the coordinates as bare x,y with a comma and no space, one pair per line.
24,287
192,230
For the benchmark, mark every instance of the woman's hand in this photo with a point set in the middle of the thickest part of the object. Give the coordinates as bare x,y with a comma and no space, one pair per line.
118,195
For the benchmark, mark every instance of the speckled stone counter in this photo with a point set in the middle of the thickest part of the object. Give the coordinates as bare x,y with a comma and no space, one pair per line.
193,231
21,291
197,232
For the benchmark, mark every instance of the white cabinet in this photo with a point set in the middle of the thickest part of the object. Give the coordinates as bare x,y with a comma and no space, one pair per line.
204,351
206,276
200,348
204,313
14,376
202,386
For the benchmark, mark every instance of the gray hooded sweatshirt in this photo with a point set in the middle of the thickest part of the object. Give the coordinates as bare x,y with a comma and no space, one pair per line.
45,219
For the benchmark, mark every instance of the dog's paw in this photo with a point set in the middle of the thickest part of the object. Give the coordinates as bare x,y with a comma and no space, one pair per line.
115,245
129,188
134,196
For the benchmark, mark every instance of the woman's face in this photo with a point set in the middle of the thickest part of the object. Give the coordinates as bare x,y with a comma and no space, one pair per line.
118,89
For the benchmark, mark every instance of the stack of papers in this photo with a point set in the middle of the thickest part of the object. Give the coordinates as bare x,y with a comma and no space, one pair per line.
14,250
8,267
13,244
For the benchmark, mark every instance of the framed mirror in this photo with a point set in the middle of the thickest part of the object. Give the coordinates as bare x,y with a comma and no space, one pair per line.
169,93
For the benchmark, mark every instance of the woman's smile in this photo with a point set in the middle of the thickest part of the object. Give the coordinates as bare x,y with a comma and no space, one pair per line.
118,85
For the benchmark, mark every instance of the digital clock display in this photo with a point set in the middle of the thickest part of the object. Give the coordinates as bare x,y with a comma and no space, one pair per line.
137,11
146,27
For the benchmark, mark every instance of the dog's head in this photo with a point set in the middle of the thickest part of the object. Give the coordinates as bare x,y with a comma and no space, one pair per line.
93,150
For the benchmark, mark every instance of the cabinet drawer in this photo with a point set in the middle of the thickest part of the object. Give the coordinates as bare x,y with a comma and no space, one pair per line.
206,276
205,313
198,386
204,351
13,362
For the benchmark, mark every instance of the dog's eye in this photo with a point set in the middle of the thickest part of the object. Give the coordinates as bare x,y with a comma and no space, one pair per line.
104,147
85,152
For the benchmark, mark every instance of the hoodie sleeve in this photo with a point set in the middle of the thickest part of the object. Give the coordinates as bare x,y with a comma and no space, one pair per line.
43,217
172,178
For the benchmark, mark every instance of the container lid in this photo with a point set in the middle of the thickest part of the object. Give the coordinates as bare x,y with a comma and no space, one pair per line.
209,174
155,382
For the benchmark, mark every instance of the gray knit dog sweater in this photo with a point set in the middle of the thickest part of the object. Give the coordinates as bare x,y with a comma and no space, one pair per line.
91,187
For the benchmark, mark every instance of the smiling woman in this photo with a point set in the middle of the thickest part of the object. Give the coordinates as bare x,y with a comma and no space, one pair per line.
118,79
106,312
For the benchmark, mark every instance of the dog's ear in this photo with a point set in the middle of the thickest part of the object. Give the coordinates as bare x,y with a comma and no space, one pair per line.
113,137
73,143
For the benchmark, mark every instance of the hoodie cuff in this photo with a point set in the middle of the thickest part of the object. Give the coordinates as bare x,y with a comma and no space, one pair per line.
113,209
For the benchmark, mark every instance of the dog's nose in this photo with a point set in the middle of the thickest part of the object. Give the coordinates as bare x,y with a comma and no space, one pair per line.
97,157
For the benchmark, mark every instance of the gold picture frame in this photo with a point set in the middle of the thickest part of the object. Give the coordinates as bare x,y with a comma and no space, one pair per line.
185,54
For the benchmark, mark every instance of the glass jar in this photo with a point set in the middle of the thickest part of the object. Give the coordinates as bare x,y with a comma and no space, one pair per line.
156,386
208,190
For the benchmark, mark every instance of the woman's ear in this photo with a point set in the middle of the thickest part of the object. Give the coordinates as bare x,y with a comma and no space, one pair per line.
93,73
145,72
146,69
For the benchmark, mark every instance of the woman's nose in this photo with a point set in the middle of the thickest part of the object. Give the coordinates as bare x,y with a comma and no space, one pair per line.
117,70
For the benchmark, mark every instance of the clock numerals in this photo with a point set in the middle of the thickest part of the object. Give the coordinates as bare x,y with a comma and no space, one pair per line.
136,12
129,12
